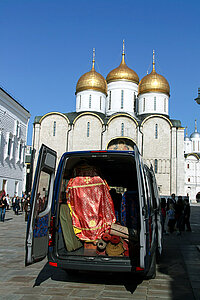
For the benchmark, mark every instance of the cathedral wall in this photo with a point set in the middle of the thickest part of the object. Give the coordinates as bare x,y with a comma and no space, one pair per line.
53,133
157,150
180,161
120,126
173,186
86,133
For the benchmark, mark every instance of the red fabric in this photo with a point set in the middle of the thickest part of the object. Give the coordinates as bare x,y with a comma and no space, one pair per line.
91,204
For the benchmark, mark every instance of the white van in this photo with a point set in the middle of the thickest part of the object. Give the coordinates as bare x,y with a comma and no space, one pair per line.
101,212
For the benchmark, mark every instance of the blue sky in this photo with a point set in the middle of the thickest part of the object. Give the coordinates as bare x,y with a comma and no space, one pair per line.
47,45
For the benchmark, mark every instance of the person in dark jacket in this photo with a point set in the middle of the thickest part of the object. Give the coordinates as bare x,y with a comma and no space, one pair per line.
3,204
179,210
187,215
27,208
17,205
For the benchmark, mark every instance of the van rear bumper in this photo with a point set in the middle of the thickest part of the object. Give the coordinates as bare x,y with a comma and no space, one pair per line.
94,264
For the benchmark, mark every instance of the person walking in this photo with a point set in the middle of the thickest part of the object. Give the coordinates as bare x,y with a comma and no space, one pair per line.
163,213
3,204
23,201
27,208
17,206
13,202
8,202
187,215
179,209
171,218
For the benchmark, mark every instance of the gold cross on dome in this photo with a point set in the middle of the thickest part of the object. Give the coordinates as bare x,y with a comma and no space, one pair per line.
87,180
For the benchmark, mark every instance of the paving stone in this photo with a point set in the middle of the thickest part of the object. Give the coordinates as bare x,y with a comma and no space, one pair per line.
177,273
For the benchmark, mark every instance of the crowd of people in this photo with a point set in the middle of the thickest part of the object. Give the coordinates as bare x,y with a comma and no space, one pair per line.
175,215
15,203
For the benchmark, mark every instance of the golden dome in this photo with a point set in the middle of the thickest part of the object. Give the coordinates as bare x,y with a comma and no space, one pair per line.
153,82
92,80
123,72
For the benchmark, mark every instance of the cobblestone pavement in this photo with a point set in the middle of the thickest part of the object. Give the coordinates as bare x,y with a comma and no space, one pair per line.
178,272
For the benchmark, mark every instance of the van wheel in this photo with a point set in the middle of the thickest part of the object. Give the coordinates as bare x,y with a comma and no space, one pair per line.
151,274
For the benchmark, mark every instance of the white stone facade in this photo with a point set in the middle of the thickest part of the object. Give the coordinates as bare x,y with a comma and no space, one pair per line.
192,164
14,120
192,176
151,103
89,131
91,100
121,97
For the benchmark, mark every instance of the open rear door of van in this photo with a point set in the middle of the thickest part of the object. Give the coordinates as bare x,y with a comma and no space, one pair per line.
141,190
158,214
37,235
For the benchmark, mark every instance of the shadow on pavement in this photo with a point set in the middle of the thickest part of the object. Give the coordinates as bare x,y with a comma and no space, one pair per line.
129,281
177,263
8,219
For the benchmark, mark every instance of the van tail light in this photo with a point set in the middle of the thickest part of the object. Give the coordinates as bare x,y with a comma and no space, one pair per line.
53,264
139,269
51,232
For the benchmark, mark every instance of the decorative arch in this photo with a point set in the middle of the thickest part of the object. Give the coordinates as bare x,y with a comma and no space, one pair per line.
53,113
193,154
123,115
121,144
88,113
158,116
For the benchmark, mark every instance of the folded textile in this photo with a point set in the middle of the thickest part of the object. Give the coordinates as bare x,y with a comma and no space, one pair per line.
130,209
71,241
119,230
115,250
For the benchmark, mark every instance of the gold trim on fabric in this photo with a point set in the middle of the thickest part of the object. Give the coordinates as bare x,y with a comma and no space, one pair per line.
87,185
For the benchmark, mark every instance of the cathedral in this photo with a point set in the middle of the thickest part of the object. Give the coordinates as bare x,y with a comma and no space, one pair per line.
192,164
115,114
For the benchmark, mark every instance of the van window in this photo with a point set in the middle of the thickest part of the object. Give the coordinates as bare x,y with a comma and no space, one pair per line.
42,192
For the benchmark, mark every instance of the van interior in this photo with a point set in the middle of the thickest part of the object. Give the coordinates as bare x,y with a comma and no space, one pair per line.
99,207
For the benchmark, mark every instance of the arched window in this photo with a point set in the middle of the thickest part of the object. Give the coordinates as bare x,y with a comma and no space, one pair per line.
80,102
100,102
109,101
122,129
54,128
88,129
90,101
198,146
20,151
143,104
165,105
193,146
154,103
9,146
156,166
122,99
156,131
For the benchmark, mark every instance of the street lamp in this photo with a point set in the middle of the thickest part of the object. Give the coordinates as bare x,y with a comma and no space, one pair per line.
198,98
